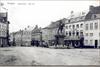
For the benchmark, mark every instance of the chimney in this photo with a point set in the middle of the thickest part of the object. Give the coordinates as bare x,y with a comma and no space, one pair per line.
1,4
72,12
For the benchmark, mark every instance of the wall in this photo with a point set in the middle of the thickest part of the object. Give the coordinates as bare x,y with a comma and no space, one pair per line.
96,33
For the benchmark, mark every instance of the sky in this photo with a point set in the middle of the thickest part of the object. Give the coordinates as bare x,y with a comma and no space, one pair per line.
30,13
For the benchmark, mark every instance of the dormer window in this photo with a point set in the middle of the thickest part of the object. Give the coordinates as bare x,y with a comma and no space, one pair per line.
95,16
69,21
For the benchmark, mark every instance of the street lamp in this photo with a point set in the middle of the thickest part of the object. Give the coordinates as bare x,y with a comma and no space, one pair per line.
41,38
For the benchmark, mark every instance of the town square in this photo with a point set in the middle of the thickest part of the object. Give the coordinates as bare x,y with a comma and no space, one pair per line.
49,33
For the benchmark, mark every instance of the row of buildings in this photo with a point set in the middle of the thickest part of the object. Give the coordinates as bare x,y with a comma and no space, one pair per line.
86,24
4,27
21,37
79,25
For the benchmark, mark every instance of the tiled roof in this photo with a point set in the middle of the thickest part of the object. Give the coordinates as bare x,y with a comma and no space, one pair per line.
95,10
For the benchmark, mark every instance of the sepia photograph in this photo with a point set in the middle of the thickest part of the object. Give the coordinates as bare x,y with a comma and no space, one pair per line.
49,32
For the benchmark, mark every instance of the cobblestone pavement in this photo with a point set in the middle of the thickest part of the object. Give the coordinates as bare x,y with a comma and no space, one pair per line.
47,56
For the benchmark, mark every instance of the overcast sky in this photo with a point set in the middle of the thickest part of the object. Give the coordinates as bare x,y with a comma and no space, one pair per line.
41,13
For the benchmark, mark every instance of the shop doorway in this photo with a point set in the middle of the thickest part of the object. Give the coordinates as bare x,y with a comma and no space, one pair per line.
96,43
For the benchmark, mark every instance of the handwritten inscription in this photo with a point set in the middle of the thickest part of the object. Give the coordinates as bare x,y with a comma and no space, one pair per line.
20,3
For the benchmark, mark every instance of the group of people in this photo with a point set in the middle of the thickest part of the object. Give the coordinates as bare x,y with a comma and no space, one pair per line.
39,43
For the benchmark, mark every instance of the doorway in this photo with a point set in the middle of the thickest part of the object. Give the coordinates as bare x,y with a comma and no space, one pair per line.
96,43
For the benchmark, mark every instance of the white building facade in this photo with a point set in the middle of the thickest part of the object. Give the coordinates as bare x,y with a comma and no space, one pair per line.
18,38
86,25
92,27
74,29
27,36
92,32
4,27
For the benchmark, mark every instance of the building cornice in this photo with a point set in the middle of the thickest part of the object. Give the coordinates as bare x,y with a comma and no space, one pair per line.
83,21
91,19
75,22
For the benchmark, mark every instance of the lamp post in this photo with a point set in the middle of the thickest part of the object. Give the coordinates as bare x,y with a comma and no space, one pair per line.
8,33
13,44
21,32
8,22
41,38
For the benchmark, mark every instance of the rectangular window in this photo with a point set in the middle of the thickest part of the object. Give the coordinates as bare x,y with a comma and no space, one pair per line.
66,27
77,33
86,34
73,33
81,25
73,26
69,21
70,26
86,27
77,25
91,34
99,41
91,26
86,42
99,34
96,25
91,42
66,33
81,33
69,33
